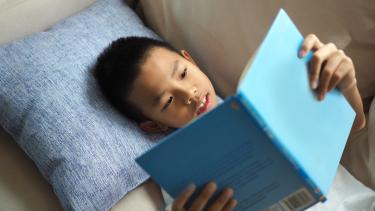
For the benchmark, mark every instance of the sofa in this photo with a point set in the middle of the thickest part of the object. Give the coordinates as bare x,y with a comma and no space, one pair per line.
221,36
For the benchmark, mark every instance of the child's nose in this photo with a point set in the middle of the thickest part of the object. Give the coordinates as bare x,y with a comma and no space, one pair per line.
192,95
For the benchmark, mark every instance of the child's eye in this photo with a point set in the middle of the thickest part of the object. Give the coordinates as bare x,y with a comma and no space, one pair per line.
183,75
168,103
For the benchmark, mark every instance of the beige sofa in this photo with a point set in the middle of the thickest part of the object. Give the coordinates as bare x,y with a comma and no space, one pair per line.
221,35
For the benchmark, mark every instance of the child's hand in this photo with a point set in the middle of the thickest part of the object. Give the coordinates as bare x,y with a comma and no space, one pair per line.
223,203
330,68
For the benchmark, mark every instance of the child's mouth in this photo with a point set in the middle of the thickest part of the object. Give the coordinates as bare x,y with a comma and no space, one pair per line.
204,104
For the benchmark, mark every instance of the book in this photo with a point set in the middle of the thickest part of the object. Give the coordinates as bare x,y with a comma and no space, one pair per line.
273,142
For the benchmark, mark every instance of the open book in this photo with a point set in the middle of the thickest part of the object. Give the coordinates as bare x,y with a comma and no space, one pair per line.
273,142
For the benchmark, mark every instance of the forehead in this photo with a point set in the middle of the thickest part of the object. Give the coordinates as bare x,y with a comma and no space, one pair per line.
154,75
158,60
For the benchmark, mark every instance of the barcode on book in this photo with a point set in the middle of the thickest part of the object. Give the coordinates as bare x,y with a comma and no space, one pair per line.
294,202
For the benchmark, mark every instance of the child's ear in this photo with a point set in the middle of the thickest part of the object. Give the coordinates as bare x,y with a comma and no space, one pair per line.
152,127
187,56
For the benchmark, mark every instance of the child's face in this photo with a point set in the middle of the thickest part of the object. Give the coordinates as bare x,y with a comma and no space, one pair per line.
166,77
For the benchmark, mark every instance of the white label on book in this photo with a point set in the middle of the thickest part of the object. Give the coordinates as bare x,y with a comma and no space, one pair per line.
295,201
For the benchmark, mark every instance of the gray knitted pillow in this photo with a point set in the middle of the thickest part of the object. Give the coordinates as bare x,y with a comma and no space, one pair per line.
51,105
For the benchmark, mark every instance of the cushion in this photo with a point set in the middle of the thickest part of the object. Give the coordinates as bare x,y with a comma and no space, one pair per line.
51,106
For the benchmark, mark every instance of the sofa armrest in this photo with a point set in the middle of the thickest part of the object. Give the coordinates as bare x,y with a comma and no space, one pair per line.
19,18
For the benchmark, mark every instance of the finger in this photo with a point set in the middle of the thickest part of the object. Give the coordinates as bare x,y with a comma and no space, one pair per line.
317,61
311,42
331,66
338,75
179,203
222,200
349,82
349,79
230,205
204,196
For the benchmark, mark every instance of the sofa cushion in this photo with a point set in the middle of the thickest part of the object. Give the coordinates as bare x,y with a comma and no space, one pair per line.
51,106
15,21
224,35
359,154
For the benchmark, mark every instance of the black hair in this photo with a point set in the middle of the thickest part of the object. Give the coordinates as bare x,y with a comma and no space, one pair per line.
118,66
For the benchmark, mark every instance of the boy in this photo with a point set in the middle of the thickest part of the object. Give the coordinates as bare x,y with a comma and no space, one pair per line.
160,88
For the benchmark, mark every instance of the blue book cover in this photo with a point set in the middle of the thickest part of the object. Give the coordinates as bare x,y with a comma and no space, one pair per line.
273,142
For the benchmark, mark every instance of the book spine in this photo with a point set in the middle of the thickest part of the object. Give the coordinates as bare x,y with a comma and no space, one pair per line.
253,112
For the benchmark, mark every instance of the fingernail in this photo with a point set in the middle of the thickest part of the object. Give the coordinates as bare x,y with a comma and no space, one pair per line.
314,84
190,187
213,185
321,97
235,202
302,53
229,193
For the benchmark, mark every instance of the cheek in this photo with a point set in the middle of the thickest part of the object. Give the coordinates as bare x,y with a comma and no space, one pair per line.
178,117
204,80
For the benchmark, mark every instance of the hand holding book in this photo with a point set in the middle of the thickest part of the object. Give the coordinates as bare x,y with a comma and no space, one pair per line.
224,202
333,68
